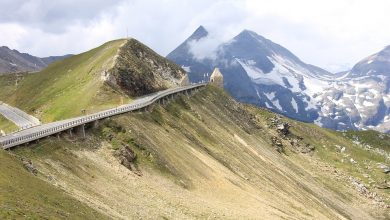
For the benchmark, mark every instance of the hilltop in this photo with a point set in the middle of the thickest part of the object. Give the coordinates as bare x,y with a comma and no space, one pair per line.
104,77
206,156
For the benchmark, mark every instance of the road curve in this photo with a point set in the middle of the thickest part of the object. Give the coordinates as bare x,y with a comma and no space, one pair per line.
18,117
40,131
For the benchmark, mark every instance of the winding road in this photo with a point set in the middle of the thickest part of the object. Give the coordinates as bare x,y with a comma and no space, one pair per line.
18,117
41,131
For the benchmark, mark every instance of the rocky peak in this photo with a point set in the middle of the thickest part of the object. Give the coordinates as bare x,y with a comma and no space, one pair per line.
248,34
248,37
374,65
138,70
4,48
199,33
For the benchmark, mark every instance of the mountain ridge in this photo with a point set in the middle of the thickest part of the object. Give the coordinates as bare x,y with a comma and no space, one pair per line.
261,72
244,60
12,61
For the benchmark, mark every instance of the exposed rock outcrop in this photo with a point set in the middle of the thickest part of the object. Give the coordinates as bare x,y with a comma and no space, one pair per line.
138,70
296,142
127,158
28,165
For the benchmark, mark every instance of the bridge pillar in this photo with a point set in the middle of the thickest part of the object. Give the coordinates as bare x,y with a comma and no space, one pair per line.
95,124
81,130
70,132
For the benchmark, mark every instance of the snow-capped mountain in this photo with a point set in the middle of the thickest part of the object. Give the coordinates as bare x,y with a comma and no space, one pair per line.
258,71
261,72
360,99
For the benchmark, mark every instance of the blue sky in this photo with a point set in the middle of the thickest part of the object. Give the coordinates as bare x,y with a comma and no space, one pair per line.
332,34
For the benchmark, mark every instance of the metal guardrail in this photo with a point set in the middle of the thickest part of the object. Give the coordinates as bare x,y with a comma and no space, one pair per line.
36,133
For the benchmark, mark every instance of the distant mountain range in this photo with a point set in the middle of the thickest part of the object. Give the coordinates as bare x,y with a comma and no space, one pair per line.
261,72
12,61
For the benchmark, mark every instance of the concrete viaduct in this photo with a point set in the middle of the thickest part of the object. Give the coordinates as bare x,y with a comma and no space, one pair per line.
41,131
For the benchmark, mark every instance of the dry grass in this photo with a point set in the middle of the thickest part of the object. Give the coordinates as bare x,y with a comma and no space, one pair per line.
201,158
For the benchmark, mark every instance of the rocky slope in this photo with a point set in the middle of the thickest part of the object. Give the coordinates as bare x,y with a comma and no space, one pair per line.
98,79
12,61
199,157
138,70
261,72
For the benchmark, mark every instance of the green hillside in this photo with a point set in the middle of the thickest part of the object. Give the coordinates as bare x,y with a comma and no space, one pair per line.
101,78
209,157
6,125
66,87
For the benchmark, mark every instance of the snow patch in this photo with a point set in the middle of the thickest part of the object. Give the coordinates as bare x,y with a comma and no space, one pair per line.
270,96
186,68
294,105
277,104
368,104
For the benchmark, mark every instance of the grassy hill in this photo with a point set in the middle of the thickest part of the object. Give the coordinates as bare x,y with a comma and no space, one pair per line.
91,81
210,157
6,125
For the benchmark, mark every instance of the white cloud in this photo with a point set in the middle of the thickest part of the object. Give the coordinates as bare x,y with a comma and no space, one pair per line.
204,48
327,33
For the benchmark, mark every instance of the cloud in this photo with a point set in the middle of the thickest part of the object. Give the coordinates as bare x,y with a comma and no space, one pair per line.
325,33
55,16
205,48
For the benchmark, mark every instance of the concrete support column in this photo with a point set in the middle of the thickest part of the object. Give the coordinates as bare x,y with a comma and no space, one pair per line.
96,124
70,132
81,130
